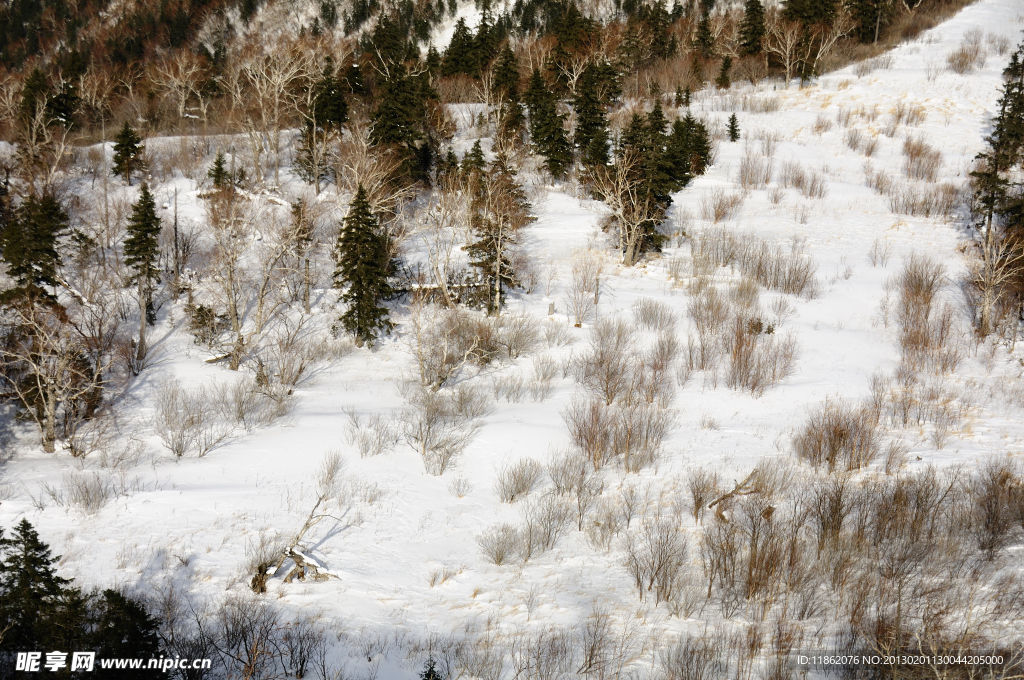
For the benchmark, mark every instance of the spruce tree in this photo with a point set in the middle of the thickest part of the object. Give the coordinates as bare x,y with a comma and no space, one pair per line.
473,161
547,127
123,628
127,153
32,596
752,28
734,128
723,81
219,173
499,210
29,245
362,272
703,40
141,255
591,135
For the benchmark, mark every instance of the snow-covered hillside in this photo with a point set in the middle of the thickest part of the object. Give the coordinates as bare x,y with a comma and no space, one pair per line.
404,554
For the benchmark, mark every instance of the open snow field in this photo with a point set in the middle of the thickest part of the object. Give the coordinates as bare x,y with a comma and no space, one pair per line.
405,554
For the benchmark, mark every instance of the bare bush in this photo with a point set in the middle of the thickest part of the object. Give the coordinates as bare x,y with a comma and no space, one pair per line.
517,480
854,138
839,436
694,658
870,146
790,271
444,341
655,555
920,160
87,492
500,544
545,370
717,205
758,360
880,252
186,420
372,436
997,494
511,388
606,371
544,520
703,486
810,184
755,171
822,124
966,58
585,287
516,334
934,200
653,315
437,428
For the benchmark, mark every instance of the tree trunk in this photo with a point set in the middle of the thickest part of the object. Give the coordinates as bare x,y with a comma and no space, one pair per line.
140,352
50,421
305,287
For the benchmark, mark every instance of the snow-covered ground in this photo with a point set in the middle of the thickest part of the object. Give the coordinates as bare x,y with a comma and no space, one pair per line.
194,521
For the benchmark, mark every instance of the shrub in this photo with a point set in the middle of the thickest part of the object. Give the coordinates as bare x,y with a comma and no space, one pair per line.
717,205
838,436
372,436
920,160
517,480
500,544
655,556
653,315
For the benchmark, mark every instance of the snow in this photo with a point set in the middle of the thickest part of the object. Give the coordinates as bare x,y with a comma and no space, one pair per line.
209,511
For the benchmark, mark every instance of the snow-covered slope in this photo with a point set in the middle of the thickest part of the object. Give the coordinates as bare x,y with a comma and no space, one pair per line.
194,521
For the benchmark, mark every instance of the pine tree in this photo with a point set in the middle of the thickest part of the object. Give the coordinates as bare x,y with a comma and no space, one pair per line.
32,596
703,40
547,127
473,161
141,255
499,210
29,245
218,172
723,81
123,628
461,55
591,134
362,272
430,670
127,153
752,28
734,128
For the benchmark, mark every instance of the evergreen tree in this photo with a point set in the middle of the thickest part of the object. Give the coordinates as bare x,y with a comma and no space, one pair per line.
499,210
872,17
547,127
723,81
328,111
591,134
362,272
473,161
734,128
32,597
141,255
752,28
430,671
127,153
29,245
218,172
703,40
505,83
461,55
123,628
